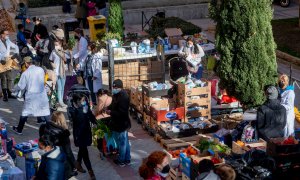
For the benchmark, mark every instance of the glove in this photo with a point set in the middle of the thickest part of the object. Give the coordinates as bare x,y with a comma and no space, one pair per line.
3,62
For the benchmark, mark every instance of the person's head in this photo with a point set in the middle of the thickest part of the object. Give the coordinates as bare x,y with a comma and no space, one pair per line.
225,172
59,119
27,61
271,92
55,27
189,42
4,34
157,162
117,86
20,27
102,92
36,20
57,45
205,165
78,33
283,81
22,5
92,47
46,143
79,99
79,80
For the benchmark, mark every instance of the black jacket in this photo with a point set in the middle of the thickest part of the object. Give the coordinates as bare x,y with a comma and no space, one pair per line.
52,165
119,107
39,29
82,132
271,119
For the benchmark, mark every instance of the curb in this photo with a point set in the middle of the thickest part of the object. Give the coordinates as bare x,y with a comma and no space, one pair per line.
287,57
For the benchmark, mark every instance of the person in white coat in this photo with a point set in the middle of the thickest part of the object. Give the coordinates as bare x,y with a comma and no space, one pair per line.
81,50
36,101
287,100
7,49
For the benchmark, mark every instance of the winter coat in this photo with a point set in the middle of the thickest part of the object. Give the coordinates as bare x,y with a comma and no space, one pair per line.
82,132
271,119
287,100
81,9
120,112
103,102
41,30
208,176
52,165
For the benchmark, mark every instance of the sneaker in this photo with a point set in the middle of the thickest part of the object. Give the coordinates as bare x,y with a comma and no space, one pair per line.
41,122
16,130
127,163
117,162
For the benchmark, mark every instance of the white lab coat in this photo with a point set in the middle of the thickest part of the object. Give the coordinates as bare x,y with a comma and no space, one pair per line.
287,100
80,52
36,101
6,51
97,71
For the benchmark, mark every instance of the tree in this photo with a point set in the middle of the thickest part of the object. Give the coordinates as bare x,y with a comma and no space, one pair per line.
115,18
245,41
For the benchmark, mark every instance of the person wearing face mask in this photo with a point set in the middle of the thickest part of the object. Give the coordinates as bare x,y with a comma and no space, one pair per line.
36,100
287,95
7,49
155,167
120,122
80,51
57,57
93,71
52,163
193,54
82,117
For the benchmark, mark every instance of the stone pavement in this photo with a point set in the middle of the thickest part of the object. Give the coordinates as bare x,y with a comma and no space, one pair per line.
141,145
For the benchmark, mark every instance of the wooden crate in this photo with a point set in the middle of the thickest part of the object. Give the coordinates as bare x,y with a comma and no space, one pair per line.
147,119
237,149
185,177
184,90
174,174
148,102
177,143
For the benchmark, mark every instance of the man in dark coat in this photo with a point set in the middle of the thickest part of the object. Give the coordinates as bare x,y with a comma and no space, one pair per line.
52,163
120,122
271,116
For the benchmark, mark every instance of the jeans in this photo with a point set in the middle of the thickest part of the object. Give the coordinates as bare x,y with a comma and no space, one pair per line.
83,154
198,74
61,81
89,83
23,119
123,145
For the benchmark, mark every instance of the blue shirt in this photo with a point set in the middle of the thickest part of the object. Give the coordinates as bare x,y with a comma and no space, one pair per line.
21,39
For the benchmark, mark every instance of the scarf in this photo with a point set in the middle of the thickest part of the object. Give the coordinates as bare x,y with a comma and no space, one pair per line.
62,57
290,87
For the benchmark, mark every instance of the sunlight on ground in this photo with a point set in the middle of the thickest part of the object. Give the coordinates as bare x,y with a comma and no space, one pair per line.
6,110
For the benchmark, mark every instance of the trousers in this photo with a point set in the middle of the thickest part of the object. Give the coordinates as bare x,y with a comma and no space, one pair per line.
6,80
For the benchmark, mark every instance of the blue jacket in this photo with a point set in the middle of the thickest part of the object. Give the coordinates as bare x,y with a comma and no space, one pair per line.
21,39
52,165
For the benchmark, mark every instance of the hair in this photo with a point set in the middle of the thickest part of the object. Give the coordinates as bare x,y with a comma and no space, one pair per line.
225,172
79,31
21,5
20,26
59,119
102,92
205,166
284,77
92,45
77,97
196,48
46,140
2,31
147,169
55,27
36,19
79,80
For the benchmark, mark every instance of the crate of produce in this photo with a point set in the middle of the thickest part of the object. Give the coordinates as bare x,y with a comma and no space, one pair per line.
158,103
240,147
278,146
165,133
154,93
184,89
178,143
198,113
166,115
191,102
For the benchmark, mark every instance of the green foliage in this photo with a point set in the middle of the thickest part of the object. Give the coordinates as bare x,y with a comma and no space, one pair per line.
158,26
115,18
71,42
44,3
99,131
245,41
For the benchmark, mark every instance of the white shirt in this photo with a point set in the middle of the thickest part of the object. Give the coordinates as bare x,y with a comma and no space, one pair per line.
80,52
5,51
56,60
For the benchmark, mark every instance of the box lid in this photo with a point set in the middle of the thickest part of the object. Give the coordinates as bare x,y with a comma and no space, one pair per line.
173,32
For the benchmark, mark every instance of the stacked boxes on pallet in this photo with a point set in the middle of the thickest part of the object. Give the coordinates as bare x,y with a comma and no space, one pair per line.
196,101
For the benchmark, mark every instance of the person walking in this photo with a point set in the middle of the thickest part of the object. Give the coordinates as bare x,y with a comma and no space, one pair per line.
82,116
93,71
81,13
287,95
36,101
80,51
52,162
120,122
57,57
58,129
7,50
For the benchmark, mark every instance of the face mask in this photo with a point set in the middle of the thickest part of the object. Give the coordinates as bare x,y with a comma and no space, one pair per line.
281,84
190,45
166,169
116,91
6,37
89,52
83,103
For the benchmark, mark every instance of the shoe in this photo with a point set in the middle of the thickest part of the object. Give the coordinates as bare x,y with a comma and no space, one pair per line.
15,129
79,168
92,175
10,95
117,162
127,163
40,123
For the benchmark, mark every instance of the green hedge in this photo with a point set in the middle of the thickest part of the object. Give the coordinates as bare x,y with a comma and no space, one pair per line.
44,3
159,24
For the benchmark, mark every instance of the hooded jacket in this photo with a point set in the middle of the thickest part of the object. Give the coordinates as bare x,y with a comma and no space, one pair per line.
271,119
52,165
120,112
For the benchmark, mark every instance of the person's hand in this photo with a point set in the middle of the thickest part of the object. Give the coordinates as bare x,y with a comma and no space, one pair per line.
108,112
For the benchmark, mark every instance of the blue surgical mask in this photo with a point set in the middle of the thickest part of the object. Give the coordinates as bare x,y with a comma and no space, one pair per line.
83,103
116,91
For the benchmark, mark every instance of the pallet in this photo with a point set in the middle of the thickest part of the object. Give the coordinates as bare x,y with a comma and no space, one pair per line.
177,143
174,174
185,177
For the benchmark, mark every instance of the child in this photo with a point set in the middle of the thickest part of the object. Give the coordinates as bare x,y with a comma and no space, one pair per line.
206,170
225,172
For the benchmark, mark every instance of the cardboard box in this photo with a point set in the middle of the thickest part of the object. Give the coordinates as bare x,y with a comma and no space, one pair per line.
174,34
188,102
184,90
237,149
274,148
166,115
154,93
198,113
158,104
146,119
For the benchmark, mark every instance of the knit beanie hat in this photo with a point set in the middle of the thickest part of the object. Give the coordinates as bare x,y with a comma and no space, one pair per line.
272,92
